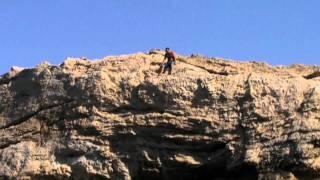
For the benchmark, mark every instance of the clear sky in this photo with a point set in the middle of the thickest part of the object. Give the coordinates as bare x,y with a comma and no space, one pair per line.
275,31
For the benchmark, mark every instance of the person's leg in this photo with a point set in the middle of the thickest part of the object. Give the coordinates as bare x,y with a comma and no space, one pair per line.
165,68
170,69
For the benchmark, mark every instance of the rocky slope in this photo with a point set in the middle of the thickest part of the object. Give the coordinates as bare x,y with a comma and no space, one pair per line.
117,118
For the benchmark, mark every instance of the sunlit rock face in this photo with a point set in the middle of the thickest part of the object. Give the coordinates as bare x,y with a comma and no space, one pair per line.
119,118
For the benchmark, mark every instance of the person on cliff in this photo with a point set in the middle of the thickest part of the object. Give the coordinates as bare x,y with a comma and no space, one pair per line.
171,59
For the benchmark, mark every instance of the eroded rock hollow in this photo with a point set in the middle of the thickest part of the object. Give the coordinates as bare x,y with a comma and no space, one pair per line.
117,118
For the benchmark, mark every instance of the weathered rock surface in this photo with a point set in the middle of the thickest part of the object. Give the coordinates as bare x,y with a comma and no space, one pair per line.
116,118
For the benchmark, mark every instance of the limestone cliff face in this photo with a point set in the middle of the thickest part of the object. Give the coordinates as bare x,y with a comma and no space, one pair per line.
117,118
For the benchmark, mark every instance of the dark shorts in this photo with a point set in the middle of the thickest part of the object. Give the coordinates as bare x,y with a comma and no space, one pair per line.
168,64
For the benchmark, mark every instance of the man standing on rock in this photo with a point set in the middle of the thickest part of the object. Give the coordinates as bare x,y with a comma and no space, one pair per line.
171,58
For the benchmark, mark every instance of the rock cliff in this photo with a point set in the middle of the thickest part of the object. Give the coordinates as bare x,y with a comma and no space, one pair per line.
118,118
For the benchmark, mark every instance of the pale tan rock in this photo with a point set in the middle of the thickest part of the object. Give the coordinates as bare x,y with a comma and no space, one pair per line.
118,118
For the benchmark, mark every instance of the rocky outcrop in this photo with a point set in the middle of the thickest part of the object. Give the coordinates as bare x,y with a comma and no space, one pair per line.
118,118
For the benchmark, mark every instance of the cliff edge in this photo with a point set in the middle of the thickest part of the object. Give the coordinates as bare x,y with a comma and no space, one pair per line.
117,118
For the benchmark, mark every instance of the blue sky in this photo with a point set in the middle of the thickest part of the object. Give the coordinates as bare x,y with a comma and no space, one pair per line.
275,31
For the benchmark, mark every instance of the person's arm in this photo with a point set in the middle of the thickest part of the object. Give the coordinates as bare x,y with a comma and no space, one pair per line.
174,56
165,57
